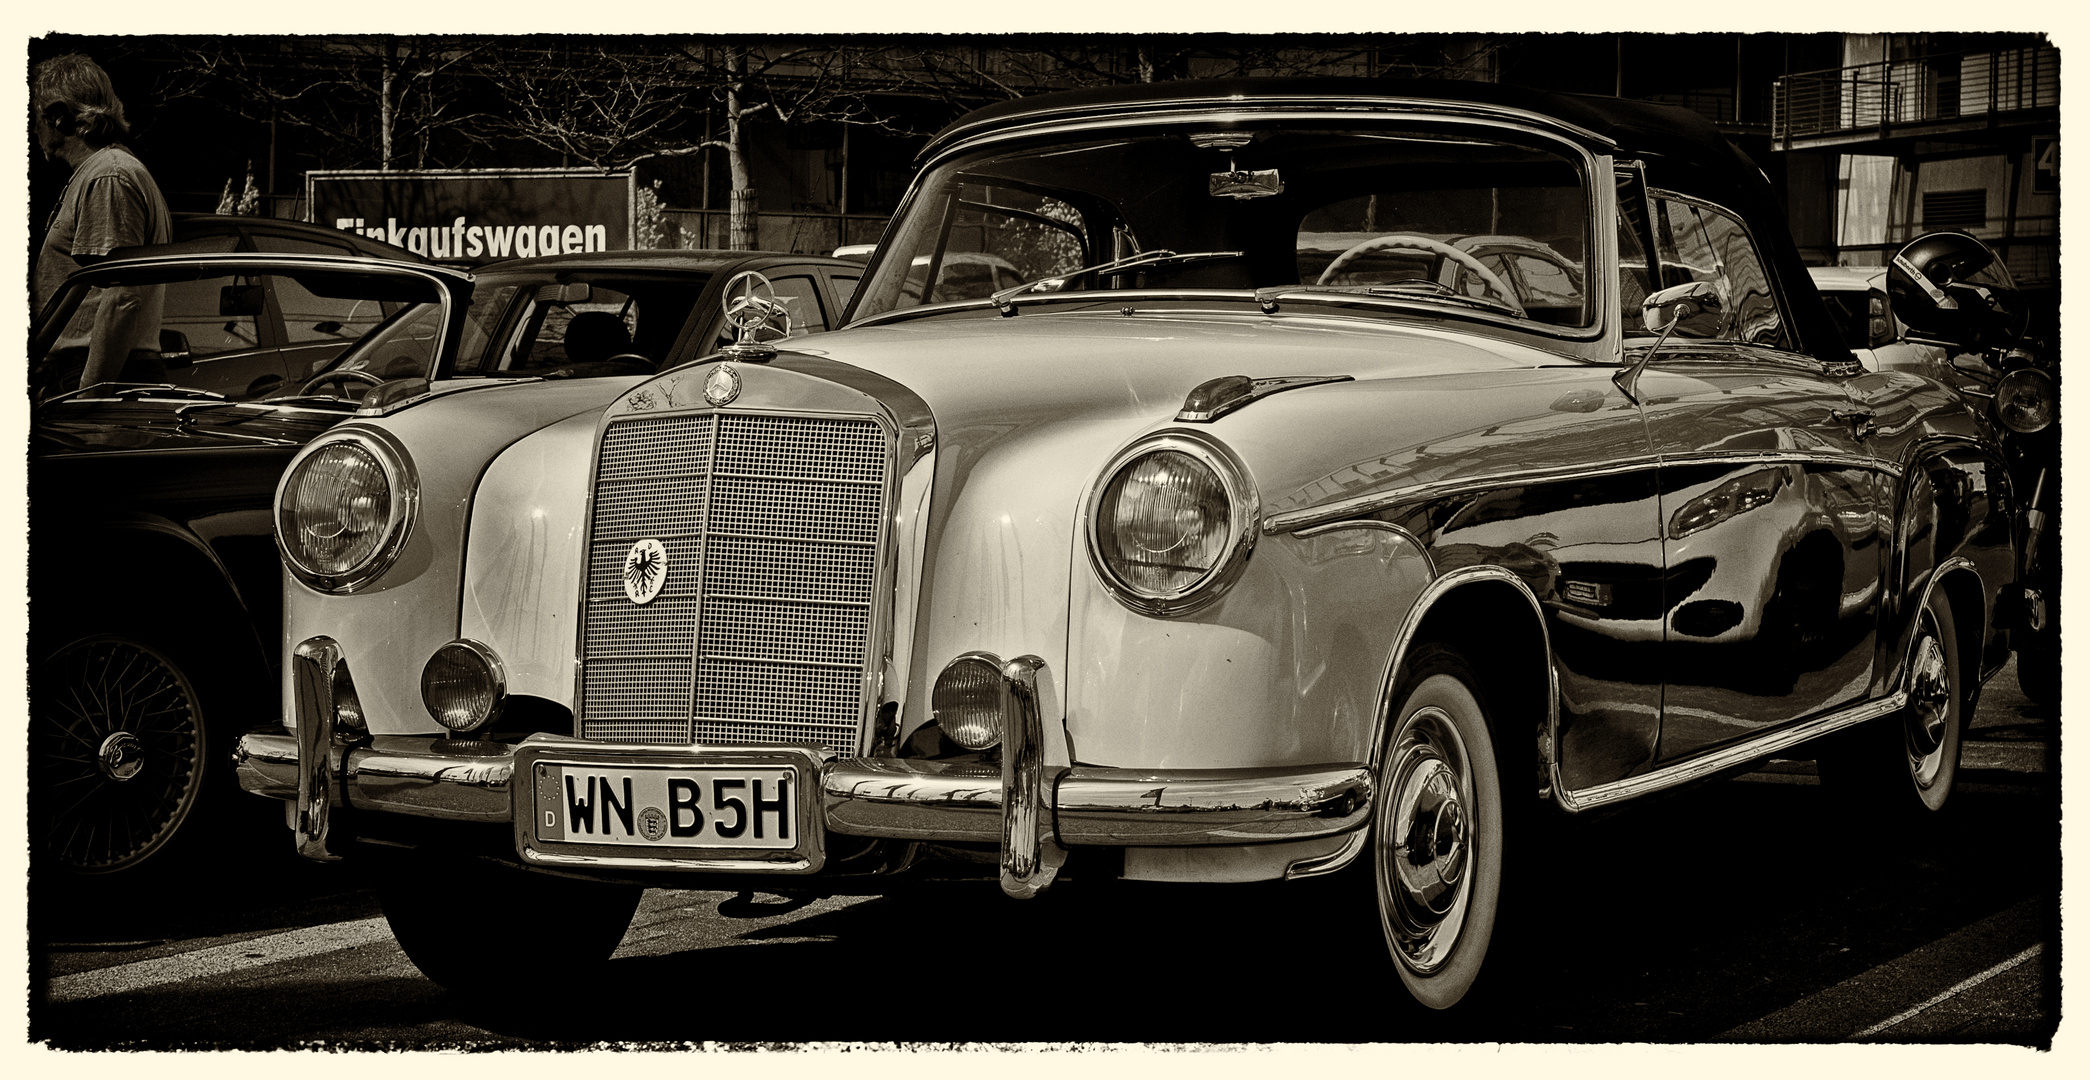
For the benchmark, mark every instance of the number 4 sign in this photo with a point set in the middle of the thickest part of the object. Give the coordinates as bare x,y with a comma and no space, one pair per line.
2046,165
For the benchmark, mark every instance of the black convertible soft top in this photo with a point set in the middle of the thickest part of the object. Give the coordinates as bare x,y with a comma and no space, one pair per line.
1682,150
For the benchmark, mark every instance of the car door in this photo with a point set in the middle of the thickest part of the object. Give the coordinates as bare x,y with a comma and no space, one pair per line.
1774,542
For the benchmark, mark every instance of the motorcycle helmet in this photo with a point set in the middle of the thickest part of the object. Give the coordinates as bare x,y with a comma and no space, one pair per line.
1952,288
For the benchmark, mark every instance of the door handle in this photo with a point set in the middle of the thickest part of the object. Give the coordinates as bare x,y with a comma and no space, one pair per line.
1861,421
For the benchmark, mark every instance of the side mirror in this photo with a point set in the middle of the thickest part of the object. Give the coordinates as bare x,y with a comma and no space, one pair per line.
1952,289
174,348
1692,308
241,300
1879,326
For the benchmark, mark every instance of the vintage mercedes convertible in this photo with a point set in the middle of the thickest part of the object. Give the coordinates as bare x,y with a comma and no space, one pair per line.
1359,477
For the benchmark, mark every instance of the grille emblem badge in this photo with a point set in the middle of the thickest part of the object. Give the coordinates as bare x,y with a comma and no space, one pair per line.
722,386
645,571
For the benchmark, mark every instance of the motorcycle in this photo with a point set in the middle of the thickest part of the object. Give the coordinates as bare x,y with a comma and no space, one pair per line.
1953,290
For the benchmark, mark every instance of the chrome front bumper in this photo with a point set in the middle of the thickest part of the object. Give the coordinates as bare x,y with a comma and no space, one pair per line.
1030,809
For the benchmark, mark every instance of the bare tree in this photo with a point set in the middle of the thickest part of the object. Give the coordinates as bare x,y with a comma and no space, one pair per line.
360,99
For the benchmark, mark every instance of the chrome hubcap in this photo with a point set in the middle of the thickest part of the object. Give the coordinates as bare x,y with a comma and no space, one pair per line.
122,755
1424,850
1930,705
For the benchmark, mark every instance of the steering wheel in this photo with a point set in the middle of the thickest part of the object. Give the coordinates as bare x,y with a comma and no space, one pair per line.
344,377
1411,241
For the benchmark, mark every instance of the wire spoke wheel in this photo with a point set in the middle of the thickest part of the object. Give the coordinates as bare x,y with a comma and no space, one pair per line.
116,754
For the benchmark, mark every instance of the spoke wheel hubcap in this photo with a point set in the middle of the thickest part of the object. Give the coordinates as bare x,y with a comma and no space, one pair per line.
116,745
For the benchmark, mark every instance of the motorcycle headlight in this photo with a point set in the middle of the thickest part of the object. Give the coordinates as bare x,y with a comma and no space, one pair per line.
1170,524
344,510
2026,401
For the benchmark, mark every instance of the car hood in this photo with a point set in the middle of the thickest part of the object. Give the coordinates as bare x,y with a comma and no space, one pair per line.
1038,366
97,427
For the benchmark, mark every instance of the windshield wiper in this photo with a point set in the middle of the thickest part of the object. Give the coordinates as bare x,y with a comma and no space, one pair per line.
1266,298
1005,299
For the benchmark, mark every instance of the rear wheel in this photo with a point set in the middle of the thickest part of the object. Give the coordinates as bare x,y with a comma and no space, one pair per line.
1437,826
1907,764
120,753
438,909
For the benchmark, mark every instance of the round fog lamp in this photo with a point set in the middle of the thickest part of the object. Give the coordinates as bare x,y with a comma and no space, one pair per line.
968,701
463,686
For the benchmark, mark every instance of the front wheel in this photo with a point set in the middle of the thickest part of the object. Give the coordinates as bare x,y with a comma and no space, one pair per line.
439,910
1438,831
119,754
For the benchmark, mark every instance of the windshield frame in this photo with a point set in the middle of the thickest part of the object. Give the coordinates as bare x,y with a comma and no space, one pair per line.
1514,127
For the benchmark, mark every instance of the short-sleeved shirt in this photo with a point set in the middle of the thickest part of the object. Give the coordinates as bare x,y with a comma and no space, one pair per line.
111,202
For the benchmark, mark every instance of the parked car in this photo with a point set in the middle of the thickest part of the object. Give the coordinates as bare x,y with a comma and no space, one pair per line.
1857,299
261,340
157,679
1176,560
154,584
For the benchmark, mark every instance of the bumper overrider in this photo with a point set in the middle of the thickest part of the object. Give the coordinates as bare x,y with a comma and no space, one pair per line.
1034,811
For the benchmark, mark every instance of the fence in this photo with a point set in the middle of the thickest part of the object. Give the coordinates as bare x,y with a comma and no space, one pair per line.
1926,89
804,233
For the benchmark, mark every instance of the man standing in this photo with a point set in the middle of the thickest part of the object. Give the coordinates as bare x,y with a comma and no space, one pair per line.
110,202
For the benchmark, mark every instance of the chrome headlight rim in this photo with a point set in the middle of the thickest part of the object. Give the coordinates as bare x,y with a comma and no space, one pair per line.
2047,389
403,507
1244,522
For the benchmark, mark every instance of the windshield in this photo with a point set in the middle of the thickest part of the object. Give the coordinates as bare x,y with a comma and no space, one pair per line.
1480,224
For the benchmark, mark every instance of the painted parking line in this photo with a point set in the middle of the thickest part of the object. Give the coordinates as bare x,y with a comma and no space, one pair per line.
218,960
1963,987
1838,1013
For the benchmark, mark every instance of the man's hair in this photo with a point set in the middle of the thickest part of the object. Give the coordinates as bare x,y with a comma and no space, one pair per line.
78,99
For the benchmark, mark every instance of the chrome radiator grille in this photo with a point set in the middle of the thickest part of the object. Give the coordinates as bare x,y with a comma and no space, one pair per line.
759,633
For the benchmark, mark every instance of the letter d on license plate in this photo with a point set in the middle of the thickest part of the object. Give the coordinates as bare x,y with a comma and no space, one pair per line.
682,809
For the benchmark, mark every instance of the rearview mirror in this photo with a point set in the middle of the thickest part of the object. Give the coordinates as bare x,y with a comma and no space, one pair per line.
579,292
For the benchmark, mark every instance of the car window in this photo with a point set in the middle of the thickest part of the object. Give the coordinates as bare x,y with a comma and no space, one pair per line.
213,315
845,287
559,333
310,318
996,234
800,296
1700,243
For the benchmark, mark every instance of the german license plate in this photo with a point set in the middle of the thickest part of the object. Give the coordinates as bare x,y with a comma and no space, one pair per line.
678,806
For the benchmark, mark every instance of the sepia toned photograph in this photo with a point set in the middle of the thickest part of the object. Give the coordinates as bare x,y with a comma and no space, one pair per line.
1007,541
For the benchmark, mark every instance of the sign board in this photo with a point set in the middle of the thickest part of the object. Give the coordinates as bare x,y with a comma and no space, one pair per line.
2046,165
477,215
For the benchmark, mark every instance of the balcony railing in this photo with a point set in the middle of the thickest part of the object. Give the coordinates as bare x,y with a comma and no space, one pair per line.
1880,95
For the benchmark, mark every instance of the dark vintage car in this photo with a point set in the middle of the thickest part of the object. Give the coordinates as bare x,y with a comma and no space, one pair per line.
142,679
1205,553
254,343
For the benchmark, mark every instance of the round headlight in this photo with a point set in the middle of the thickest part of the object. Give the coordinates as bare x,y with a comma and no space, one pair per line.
463,685
344,511
1170,524
968,701
2026,402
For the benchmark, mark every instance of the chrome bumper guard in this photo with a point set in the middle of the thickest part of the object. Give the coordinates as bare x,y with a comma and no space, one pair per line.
1032,810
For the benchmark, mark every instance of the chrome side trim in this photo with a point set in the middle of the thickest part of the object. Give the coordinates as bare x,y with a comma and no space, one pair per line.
315,664
1724,759
1371,503
1361,505
1030,857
